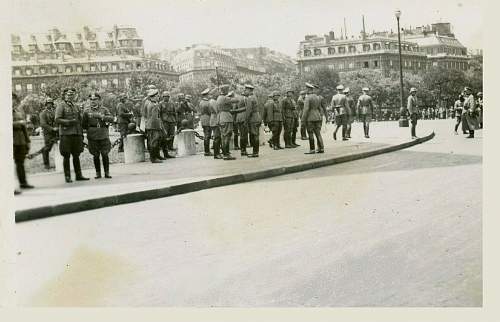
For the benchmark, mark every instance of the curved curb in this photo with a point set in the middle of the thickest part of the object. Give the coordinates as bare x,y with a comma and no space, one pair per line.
130,197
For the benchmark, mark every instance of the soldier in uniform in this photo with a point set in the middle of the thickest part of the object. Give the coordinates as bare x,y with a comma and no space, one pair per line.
365,110
50,130
190,113
480,108
184,111
205,113
242,123
96,119
124,114
300,108
312,116
412,107
264,112
339,105
153,125
288,107
168,120
69,118
21,143
214,125
273,117
252,119
236,132
226,124
457,110
351,112
471,113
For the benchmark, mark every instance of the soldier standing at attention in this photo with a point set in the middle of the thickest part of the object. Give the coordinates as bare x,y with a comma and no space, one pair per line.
351,112
365,110
242,124
289,109
205,113
412,107
300,108
471,113
153,125
236,132
224,108
312,116
69,118
274,118
168,119
50,130
457,109
21,143
96,121
339,105
253,119
125,115
214,125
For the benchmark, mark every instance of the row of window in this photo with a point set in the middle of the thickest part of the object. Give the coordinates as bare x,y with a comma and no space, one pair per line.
18,49
370,64
102,82
354,49
447,50
86,68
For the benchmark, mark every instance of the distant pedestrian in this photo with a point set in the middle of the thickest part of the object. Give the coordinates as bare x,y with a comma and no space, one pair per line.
21,143
412,107
96,120
69,118
365,110
50,130
312,116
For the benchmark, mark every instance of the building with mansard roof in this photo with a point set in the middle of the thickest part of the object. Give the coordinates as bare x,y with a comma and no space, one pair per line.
106,57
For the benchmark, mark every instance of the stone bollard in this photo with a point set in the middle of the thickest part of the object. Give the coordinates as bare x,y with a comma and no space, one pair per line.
186,144
58,160
134,149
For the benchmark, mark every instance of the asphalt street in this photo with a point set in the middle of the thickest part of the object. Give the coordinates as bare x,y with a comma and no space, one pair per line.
399,229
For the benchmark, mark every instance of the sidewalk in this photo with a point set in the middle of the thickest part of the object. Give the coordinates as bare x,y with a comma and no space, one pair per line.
143,181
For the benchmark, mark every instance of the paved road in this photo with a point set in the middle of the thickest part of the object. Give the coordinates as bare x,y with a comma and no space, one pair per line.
400,229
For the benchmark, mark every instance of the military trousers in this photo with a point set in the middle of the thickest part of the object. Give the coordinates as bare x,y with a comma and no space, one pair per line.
123,128
226,131
243,131
217,139
254,132
168,135
413,119
314,130
49,141
19,153
275,127
207,134
154,137
289,128
303,130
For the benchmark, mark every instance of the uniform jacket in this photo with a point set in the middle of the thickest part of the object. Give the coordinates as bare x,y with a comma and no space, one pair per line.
289,108
339,103
242,115
123,111
167,112
365,104
272,112
183,110
48,123
252,111
69,118
153,120
20,133
412,105
470,104
204,109
97,129
224,106
214,119
312,109
300,106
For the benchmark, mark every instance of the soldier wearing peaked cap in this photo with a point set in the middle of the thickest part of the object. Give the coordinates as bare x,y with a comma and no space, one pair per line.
365,110
214,124
312,117
205,113
69,118
153,125
273,117
300,108
226,121
125,114
96,121
340,107
413,110
21,143
351,111
168,121
252,119
50,130
289,108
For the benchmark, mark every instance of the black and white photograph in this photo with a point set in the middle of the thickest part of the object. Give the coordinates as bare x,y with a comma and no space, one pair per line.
245,154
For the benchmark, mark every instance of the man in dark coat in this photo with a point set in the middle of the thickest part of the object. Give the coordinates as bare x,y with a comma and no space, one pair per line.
289,110
69,118
312,116
273,117
153,125
169,120
21,143
205,113
253,119
125,115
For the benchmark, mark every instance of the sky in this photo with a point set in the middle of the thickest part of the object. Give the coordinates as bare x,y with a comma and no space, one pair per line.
277,24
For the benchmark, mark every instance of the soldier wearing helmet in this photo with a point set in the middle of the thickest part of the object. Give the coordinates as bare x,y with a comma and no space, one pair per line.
169,120
124,113
289,108
50,130
273,117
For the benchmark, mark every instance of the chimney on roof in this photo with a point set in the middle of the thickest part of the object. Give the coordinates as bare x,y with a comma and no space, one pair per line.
332,35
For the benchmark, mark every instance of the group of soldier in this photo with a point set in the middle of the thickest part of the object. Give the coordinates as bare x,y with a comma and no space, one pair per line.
468,111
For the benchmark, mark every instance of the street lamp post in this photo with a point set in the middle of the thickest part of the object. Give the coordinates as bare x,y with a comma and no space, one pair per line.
403,121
